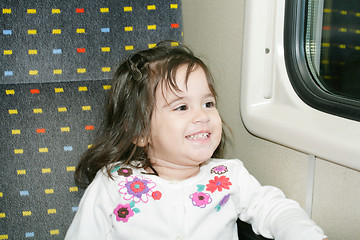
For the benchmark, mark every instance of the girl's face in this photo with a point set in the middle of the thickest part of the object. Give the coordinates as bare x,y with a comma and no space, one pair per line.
185,126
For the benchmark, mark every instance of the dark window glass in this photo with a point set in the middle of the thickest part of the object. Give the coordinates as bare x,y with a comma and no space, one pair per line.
322,54
333,45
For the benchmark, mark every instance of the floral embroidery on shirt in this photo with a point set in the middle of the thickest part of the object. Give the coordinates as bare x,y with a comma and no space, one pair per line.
122,171
156,195
218,183
221,169
200,199
123,212
126,172
137,188
223,201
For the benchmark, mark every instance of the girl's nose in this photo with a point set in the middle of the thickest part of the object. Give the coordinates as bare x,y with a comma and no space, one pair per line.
200,116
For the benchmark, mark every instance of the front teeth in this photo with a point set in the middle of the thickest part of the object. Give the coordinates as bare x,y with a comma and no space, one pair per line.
198,136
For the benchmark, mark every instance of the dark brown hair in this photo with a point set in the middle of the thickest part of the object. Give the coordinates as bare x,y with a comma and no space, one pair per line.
130,105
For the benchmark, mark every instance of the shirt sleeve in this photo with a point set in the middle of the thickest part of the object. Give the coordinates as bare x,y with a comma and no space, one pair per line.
93,218
271,214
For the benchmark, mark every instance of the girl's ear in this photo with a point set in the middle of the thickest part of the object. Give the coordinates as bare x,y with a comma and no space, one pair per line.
140,142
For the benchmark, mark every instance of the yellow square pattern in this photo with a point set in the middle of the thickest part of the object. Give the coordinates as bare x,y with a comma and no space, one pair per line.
56,31
54,232
59,90
18,151
106,69
6,11
43,150
32,31
10,92
31,11
33,52
55,11
8,52
49,191
46,170
128,29
15,131
33,72
80,30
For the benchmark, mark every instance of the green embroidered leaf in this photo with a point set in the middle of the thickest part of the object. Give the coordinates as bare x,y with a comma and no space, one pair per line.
218,207
115,169
200,188
136,210
132,204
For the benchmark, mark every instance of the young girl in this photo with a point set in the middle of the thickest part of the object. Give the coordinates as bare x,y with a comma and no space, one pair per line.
152,173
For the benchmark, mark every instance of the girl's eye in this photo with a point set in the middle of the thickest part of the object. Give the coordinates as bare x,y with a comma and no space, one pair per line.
210,104
181,108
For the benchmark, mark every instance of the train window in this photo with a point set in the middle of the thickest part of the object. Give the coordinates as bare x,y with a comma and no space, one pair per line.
329,79
333,45
300,83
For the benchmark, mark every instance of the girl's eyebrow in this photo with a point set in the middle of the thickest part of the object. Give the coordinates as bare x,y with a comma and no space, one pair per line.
209,95
179,98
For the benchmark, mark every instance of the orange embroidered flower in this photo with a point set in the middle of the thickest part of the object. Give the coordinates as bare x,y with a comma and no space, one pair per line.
218,183
156,195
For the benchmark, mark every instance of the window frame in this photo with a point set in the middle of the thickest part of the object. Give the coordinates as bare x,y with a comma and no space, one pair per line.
301,78
271,109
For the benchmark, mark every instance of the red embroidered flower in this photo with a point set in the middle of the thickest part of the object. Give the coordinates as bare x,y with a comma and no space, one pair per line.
156,195
218,183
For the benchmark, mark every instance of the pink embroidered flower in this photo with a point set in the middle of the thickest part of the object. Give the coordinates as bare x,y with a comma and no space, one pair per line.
218,183
123,212
156,195
125,172
200,199
137,188
221,169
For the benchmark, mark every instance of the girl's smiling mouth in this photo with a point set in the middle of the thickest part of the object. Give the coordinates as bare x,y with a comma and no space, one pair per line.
196,136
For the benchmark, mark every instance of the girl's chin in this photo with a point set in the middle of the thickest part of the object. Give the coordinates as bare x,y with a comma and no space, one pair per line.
203,158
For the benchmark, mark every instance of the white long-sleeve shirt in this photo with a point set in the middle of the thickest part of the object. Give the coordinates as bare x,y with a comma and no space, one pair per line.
133,205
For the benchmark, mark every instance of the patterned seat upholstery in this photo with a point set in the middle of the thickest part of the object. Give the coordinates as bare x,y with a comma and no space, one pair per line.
56,61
